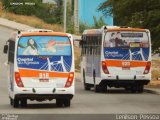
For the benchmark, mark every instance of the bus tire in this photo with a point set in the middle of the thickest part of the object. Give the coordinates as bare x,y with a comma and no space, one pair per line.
104,88
140,88
23,102
127,88
11,101
67,102
133,89
86,86
15,103
96,87
59,102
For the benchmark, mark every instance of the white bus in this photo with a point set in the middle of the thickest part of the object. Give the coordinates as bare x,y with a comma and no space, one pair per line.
40,67
116,57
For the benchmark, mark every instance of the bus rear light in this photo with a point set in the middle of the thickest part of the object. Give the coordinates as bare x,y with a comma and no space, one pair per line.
70,79
18,80
147,69
104,67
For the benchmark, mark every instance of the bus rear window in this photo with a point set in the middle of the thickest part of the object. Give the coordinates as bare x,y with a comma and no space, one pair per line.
127,45
126,39
44,46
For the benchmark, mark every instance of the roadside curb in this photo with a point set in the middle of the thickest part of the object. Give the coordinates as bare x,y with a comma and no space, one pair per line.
23,27
148,90
8,27
14,25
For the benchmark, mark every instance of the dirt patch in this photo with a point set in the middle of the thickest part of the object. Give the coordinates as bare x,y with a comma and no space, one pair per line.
77,52
29,20
154,84
155,70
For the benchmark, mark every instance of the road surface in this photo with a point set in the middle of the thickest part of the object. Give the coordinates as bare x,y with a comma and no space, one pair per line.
84,102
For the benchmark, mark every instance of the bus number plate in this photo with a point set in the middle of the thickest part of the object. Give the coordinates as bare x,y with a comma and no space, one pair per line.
44,77
126,65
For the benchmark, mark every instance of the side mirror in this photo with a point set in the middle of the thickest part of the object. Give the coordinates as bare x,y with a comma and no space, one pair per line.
77,42
5,50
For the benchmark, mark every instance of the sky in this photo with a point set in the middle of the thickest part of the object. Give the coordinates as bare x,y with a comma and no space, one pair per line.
88,9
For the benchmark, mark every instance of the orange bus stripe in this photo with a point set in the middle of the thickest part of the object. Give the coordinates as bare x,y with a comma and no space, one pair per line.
118,63
35,73
126,29
44,34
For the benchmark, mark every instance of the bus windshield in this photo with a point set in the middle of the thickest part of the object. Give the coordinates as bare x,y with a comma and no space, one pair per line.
126,45
44,46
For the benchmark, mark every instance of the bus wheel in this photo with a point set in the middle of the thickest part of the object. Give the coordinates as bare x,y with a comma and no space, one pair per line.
133,89
59,102
67,102
97,88
11,101
23,102
104,88
127,88
86,86
140,88
15,102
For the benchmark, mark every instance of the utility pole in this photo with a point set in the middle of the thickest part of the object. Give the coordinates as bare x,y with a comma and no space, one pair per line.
76,17
65,14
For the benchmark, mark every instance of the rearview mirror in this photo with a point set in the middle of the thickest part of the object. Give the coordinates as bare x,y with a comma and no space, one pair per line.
5,50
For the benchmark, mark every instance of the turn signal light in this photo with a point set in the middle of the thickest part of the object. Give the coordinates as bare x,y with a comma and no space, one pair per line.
147,69
104,67
18,80
70,79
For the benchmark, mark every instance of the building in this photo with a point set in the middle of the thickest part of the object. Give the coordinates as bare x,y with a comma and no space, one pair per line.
49,1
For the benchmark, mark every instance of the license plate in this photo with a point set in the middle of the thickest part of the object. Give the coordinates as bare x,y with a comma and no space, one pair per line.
43,80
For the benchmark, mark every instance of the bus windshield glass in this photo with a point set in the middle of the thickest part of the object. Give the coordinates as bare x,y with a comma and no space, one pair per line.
44,46
126,45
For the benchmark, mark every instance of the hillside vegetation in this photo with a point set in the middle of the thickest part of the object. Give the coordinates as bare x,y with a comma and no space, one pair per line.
29,20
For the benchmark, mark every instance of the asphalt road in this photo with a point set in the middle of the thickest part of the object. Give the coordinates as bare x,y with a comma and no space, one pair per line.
84,102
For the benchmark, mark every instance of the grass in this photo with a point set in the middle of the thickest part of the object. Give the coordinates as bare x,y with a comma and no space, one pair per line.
77,53
38,23
155,69
29,20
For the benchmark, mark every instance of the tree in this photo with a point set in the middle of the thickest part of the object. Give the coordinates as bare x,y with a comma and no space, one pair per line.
135,13
98,23
47,12
22,8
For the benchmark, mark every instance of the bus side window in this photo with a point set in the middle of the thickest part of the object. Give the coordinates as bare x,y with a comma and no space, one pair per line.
94,45
87,45
82,46
99,44
90,44
11,51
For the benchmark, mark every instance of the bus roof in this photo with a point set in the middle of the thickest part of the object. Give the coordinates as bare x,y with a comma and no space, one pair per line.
92,31
43,34
36,32
111,28
126,29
